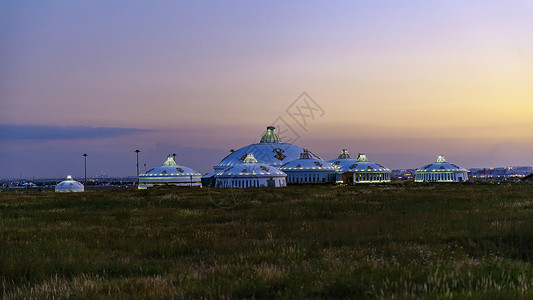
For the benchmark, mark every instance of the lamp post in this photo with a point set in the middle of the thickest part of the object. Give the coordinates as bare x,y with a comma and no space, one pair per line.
85,161
137,151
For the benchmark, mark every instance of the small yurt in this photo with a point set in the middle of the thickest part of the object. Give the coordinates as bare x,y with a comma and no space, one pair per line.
310,169
360,170
170,174
69,185
441,171
250,173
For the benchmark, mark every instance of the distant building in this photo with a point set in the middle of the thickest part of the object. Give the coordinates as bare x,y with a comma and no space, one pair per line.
69,185
169,174
310,169
250,173
441,171
360,170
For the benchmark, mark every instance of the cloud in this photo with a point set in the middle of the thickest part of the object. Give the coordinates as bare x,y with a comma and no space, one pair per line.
44,132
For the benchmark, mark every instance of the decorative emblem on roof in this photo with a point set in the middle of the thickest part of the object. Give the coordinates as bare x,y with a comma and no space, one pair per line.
298,166
264,168
164,172
244,171
336,163
318,164
279,153
179,170
353,166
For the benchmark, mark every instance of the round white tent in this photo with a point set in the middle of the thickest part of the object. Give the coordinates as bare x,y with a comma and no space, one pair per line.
170,174
250,173
69,185
309,169
441,171
360,170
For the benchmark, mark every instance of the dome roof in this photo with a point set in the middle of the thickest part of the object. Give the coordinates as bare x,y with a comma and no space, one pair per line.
441,165
250,168
69,185
344,163
270,151
169,169
307,162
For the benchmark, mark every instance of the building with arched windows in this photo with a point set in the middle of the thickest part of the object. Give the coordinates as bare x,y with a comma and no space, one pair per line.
169,174
310,169
250,173
69,185
360,170
441,171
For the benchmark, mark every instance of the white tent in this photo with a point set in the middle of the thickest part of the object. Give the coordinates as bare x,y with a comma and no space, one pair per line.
69,185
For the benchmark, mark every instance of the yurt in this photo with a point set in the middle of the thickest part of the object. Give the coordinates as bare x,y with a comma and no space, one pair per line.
250,173
170,174
360,170
69,185
441,171
270,150
309,169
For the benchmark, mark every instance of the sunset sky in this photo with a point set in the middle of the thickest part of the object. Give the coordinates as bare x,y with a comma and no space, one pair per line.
402,81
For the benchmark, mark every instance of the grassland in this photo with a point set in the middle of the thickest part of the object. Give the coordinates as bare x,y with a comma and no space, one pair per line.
384,241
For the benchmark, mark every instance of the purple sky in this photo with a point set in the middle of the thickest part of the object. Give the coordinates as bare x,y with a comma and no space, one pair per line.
402,82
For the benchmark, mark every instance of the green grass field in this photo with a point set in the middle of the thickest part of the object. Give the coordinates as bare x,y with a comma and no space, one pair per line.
399,240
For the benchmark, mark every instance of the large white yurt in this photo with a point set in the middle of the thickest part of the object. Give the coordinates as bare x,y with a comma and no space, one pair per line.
170,174
360,170
69,185
441,171
270,150
250,173
309,169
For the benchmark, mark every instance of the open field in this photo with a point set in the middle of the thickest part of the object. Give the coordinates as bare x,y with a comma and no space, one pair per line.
402,240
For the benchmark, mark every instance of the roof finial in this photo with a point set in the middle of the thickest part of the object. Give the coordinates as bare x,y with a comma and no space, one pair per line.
362,157
344,154
270,136
250,158
441,159
169,162
305,154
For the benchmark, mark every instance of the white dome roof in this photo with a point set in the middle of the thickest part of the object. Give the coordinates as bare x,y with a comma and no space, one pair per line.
250,168
270,151
344,163
307,162
69,185
441,165
169,170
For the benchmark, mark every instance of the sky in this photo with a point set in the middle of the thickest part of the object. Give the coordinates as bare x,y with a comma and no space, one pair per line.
401,81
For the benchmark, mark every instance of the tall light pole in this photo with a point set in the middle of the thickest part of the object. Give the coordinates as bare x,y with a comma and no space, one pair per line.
137,151
85,160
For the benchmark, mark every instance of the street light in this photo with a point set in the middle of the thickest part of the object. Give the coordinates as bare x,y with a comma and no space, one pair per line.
137,151
85,159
